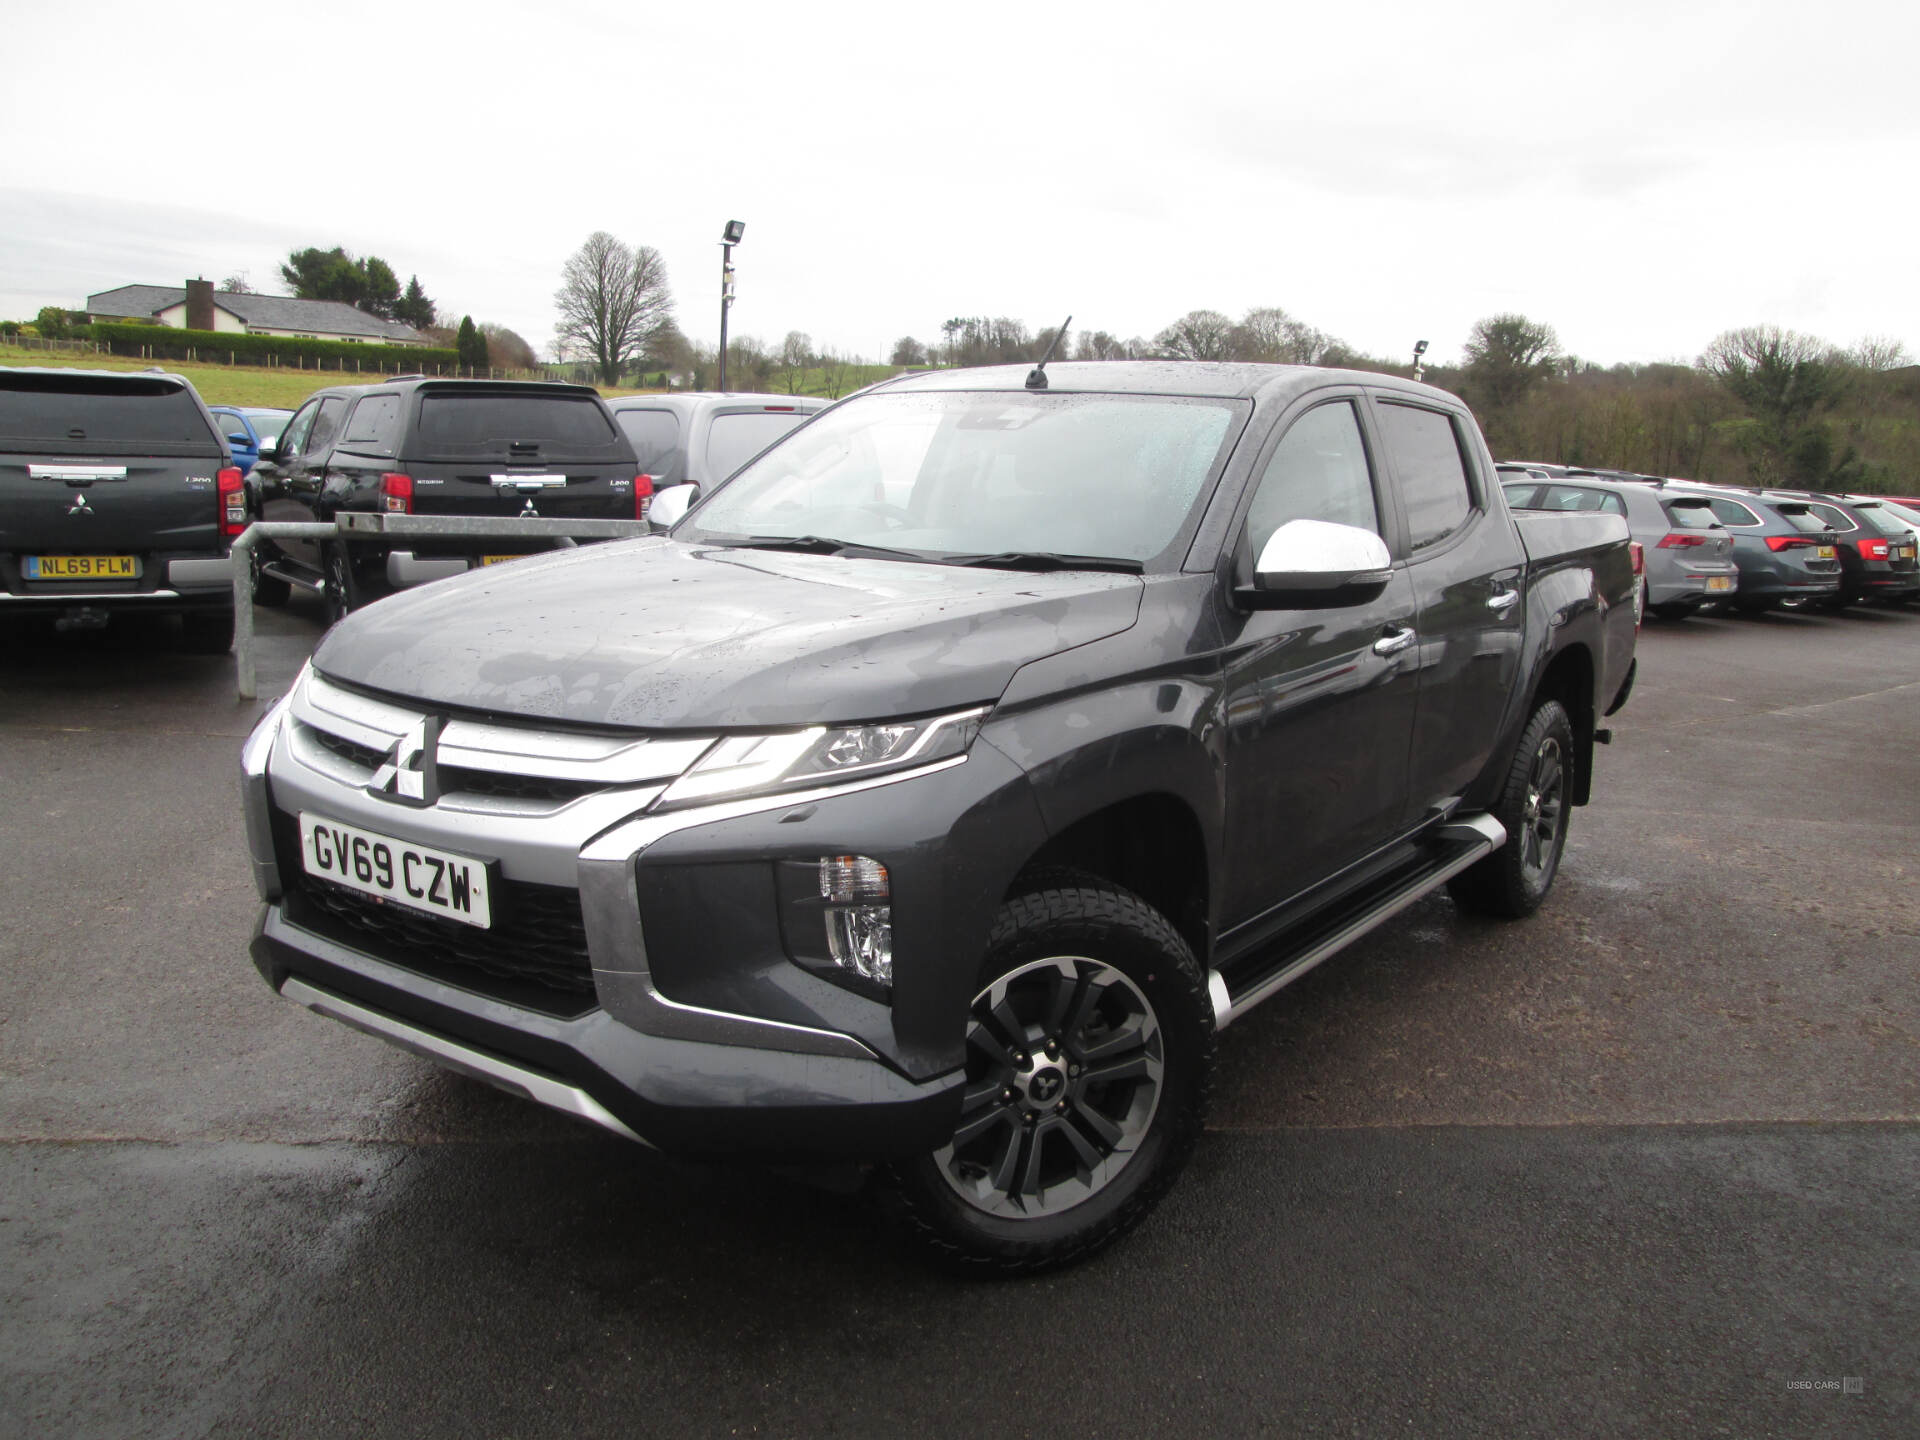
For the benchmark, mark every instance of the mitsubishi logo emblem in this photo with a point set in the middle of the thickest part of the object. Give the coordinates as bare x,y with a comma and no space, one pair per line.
80,506
410,773
529,510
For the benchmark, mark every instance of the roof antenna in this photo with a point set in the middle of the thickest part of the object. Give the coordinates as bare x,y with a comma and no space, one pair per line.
1037,377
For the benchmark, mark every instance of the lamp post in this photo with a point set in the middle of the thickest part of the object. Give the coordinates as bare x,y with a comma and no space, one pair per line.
1419,349
729,238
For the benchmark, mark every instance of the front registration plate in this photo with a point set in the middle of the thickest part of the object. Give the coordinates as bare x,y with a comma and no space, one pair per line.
1719,582
81,567
436,881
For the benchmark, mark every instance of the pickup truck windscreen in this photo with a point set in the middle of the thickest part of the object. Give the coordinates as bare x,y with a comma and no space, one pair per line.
100,416
970,473
475,423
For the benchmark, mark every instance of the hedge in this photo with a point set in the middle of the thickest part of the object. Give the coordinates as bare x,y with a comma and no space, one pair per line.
164,342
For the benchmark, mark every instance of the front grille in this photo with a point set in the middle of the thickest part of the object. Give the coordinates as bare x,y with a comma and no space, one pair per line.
364,756
457,781
533,955
538,938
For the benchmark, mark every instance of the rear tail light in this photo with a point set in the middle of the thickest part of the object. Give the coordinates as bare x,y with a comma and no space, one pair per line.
1873,549
1790,542
1677,541
231,486
642,496
1639,554
397,493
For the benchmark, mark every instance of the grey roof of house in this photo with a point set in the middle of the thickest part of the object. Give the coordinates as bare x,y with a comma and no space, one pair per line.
273,312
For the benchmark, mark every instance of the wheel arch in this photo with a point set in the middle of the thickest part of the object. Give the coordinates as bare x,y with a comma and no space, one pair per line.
1569,678
1152,844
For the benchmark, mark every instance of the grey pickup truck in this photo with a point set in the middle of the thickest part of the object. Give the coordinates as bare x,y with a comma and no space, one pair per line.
117,494
939,786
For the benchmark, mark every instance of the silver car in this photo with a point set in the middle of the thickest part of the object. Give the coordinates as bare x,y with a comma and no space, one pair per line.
1689,555
701,438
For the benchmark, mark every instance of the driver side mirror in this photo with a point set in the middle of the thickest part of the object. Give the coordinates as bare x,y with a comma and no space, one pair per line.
1317,565
238,440
670,504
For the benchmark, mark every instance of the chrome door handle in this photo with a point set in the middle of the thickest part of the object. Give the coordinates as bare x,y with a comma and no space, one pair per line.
1503,600
1393,642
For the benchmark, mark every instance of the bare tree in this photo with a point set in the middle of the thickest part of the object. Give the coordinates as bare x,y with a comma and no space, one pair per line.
796,354
507,348
236,284
612,300
910,353
1880,352
1197,335
1269,335
836,372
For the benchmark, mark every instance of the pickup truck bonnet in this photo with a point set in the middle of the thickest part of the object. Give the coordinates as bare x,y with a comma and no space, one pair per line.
653,634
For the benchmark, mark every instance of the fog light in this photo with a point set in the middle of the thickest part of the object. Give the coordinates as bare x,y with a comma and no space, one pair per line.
859,934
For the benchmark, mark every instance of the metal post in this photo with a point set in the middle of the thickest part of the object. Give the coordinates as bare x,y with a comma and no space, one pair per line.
726,303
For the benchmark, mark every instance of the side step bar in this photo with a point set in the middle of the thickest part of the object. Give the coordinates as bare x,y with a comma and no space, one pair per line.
476,1064
1453,847
274,572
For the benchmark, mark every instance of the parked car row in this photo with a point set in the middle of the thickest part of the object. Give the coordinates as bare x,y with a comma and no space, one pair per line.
124,491
1750,549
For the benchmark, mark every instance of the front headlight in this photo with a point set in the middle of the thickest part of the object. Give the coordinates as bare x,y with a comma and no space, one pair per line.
767,764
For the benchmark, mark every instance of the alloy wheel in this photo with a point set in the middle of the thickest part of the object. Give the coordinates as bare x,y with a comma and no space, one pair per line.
1545,810
1065,1060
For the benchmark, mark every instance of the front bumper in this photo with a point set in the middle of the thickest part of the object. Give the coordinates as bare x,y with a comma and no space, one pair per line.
697,1031
686,1096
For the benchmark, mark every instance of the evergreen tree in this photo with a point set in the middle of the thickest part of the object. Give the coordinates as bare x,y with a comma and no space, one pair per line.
470,345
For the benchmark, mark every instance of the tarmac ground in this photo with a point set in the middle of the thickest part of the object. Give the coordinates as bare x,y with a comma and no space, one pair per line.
1645,1164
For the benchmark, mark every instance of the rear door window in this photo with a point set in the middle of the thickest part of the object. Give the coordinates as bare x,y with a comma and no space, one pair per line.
1432,473
326,425
294,441
654,435
489,424
737,438
1522,497
374,427
1319,471
84,414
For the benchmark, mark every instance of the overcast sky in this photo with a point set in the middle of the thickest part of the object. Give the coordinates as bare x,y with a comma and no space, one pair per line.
1640,176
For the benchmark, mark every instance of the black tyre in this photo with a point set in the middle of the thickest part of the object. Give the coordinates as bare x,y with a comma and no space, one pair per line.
1089,1056
206,632
266,589
1535,806
1679,610
342,589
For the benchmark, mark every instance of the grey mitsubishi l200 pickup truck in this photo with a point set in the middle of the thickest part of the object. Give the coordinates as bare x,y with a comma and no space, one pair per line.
117,496
934,791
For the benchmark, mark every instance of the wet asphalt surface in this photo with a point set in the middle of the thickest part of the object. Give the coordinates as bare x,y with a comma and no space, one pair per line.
1645,1164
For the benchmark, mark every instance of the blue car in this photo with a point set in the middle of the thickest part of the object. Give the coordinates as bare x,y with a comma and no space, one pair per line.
247,429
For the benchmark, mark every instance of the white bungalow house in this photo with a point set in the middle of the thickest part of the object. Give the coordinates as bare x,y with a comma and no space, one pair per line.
198,306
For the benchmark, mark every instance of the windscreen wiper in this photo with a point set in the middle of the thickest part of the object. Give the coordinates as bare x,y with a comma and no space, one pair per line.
816,545
1046,560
